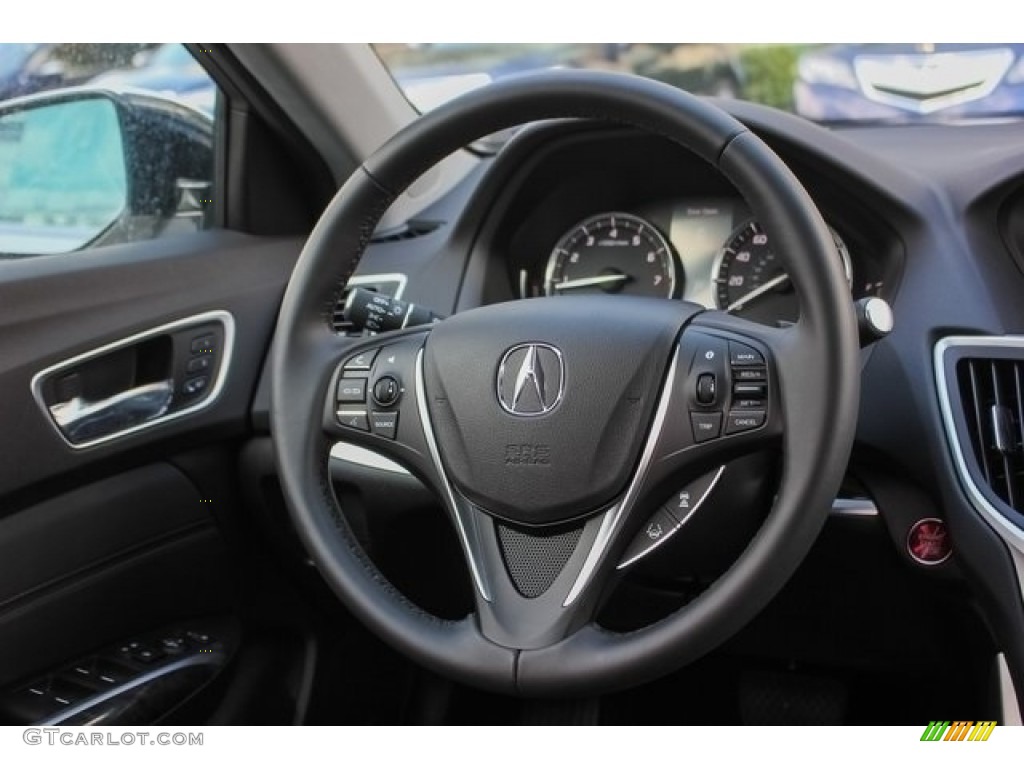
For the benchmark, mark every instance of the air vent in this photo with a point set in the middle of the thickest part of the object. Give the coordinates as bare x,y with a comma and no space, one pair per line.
992,393
391,285
408,231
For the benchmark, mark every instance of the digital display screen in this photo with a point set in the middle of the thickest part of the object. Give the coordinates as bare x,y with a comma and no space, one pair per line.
698,230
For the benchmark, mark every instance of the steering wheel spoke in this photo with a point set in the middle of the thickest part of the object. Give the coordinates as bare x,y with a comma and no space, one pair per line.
525,575
373,400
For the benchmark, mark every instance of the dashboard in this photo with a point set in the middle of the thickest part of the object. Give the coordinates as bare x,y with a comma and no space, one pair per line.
625,214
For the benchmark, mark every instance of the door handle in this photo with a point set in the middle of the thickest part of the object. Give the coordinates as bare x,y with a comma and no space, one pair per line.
80,419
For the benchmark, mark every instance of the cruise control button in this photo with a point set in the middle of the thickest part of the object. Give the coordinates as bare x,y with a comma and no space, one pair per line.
741,421
706,426
741,355
361,362
654,532
354,420
747,404
750,391
749,374
385,424
351,390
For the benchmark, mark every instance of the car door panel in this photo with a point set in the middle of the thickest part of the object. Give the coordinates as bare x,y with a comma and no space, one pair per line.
105,561
58,307
102,543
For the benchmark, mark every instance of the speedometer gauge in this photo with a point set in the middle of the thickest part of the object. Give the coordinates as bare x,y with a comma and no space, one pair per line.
751,280
612,253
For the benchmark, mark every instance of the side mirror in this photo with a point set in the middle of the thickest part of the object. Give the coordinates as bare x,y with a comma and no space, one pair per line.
83,167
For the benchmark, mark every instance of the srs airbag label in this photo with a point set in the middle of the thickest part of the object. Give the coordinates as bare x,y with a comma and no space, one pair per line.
527,454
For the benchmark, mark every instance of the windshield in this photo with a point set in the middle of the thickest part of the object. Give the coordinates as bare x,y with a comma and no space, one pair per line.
851,83
12,56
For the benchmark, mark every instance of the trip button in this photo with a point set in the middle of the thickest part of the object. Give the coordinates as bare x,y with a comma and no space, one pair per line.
706,426
741,355
742,421
352,390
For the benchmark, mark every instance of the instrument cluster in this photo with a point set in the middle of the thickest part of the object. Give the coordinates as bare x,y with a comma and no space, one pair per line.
710,251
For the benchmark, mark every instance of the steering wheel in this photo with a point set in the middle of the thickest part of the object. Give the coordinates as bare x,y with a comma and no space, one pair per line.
553,428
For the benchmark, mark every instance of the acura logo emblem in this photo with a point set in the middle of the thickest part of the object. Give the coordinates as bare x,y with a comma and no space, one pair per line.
531,379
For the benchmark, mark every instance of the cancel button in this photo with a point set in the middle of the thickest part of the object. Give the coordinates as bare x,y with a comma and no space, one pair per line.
741,421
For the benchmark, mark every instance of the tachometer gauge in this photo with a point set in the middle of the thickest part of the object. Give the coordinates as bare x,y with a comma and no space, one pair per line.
612,253
751,280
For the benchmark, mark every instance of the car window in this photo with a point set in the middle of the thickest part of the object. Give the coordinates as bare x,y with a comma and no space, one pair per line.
849,83
102,144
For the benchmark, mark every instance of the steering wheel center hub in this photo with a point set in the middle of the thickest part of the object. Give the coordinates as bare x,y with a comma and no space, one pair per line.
540,408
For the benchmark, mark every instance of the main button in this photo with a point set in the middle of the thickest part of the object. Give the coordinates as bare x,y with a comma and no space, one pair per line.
741,355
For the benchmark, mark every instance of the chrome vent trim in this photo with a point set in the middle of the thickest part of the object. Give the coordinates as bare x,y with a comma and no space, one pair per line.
992,398
947,390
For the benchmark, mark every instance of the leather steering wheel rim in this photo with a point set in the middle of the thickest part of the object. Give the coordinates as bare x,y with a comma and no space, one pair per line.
819,384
